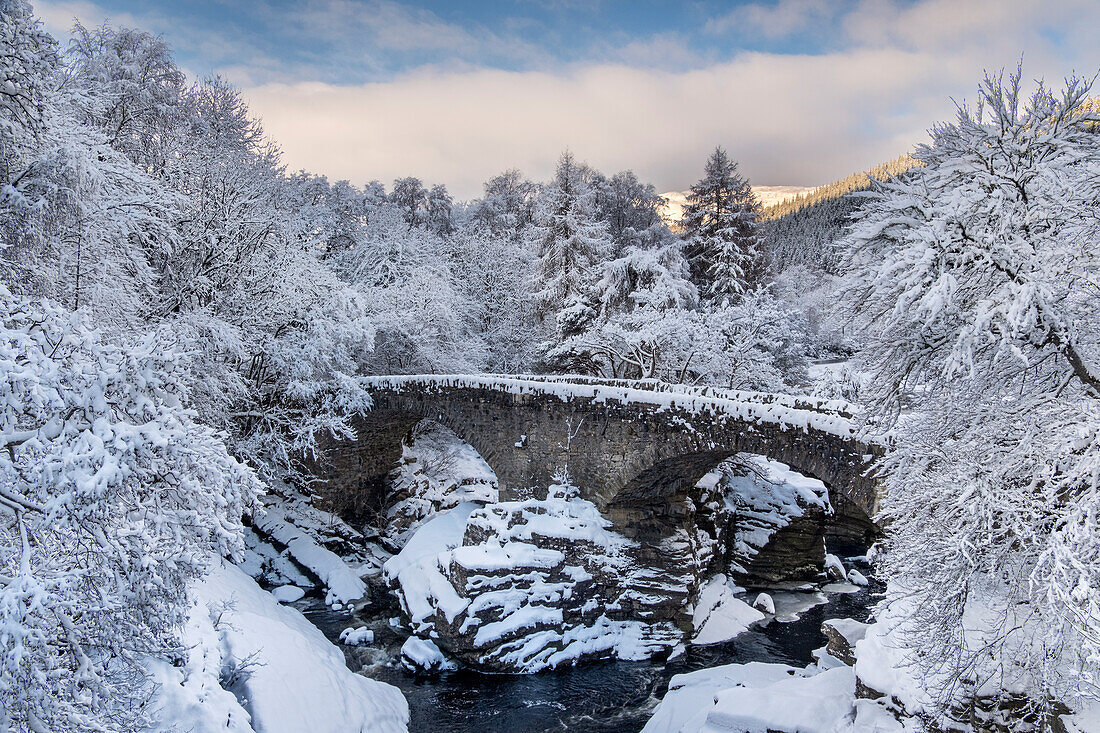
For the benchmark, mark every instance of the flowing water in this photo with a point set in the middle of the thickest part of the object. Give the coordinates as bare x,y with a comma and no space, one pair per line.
599,696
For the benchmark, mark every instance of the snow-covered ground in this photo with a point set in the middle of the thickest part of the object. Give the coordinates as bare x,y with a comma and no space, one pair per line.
255,665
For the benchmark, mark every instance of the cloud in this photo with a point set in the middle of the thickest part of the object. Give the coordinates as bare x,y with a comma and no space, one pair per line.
457,103
789,119
777,20
58,16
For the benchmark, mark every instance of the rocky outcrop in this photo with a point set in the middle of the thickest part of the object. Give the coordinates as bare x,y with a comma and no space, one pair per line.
770,521
534,585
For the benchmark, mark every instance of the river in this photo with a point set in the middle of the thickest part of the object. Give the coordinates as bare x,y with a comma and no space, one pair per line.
609,696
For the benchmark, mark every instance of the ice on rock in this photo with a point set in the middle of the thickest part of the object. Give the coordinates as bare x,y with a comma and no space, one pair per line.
355,637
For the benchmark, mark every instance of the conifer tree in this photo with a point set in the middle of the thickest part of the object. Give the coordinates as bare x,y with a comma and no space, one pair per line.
722,238
570,241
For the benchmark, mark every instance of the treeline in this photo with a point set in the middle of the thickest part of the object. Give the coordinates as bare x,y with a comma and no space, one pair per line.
830,191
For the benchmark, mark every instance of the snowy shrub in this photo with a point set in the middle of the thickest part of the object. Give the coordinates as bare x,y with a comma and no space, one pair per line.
111,498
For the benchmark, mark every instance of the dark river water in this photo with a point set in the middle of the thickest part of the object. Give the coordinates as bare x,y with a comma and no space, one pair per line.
600,696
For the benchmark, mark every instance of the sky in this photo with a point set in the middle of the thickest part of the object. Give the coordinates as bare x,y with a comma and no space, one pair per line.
800,92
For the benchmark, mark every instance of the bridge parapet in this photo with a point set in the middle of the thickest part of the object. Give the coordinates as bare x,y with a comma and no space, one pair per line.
794,411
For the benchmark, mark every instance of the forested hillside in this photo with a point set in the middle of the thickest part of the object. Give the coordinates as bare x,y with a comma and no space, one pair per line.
803,230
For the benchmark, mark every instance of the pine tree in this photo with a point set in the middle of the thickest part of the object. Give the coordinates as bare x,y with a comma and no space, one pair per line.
723,242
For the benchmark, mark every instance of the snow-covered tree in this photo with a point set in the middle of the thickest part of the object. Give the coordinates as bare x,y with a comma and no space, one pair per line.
129,88
439,215
495,271
28,60
632,210
722,236
112,497
508,204
410,195
980,273
570,242
645,316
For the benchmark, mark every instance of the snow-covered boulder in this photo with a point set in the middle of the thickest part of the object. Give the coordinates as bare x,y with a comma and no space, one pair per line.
776,518
287,593
720,615
762,698
422,655
355,637
764,603
255,665
842,635
437,472
524,586
834,568
856,578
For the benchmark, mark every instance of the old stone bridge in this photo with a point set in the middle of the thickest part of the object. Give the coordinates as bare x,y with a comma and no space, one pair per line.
630,447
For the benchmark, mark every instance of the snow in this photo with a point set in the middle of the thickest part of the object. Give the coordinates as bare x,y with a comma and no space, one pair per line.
856,578
438,471
690,696
884,665
415,571
287,593
834,568
343,583
759,698
853,631
507,594
719,615
763,500
1086,720
355,637
422,655
764,603
289,677
266,564
789,412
